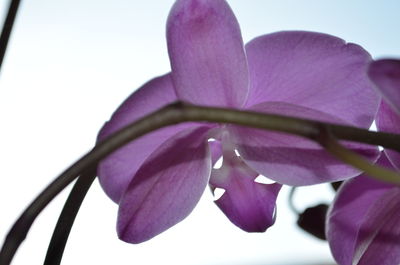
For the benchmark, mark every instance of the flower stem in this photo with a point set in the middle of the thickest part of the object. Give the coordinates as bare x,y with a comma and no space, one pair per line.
339,151
301,127
172,114
291,200
165,116
67,217
7,28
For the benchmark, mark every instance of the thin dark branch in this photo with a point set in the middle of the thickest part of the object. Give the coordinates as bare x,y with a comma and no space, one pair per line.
170,115
67,218
291,200
167,116
7,28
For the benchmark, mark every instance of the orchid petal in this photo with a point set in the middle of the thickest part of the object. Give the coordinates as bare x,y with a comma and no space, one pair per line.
363,225
378,239
386,75
313,70
166,188
389,121
207,56
116,171
293,160
249,205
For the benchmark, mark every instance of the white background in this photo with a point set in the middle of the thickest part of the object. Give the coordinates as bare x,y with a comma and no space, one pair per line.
71,63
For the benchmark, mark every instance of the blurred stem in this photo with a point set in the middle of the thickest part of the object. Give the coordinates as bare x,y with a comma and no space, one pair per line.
291,200
7,28
177,113
67,217
349,157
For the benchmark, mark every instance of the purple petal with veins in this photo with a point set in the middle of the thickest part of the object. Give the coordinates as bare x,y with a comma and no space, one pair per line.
293,160
389,121
363,225
386,75
117,170
312,70
166,188
207,56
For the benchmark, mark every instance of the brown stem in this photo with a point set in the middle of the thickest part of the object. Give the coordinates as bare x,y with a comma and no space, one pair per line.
170,115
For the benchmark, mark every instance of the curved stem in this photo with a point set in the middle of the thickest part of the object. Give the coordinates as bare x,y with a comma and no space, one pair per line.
301,127
67,217
158,119
349,157
173,114
7,28
291,201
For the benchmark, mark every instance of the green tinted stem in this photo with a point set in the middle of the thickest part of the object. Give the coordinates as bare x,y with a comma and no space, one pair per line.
177,113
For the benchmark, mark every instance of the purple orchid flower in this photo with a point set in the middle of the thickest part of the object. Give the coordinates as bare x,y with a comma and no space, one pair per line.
363,224
158,179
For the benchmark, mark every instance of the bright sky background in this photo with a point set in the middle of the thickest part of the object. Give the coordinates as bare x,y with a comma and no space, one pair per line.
70,63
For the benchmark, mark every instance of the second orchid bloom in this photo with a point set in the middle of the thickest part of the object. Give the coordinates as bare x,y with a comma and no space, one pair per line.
363,223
